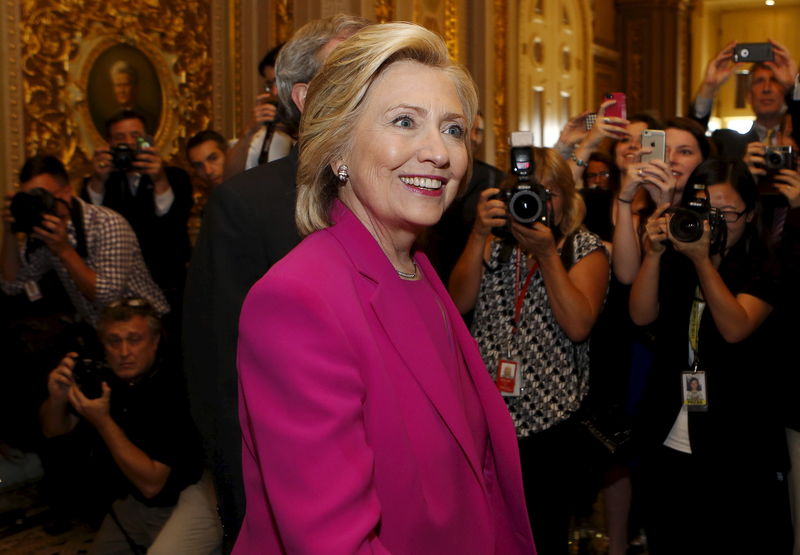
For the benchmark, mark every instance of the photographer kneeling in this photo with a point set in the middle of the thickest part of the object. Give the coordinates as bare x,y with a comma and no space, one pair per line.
139,427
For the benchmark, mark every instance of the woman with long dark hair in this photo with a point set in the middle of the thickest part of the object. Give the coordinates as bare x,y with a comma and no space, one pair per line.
710,300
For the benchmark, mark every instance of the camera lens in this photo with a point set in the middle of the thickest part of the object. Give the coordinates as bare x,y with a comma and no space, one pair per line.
123,157
526,206
774,160
686,225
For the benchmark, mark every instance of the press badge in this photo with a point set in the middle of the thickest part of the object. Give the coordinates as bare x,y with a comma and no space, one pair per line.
695,392
32,290
509,377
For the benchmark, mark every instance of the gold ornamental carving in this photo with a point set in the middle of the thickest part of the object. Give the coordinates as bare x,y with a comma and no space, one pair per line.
284,20
451,28
384,13
61,43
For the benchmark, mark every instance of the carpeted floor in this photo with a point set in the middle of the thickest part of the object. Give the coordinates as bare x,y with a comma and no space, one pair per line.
22,515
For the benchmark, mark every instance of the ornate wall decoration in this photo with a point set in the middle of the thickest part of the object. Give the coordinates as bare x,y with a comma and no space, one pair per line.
451,28
501,56
284,20
14,154
63,41
384,13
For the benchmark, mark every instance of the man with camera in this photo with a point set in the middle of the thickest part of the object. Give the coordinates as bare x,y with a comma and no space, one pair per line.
134,417
770,81
130,177
92,249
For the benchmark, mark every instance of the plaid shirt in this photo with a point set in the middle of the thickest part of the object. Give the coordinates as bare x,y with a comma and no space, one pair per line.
114,256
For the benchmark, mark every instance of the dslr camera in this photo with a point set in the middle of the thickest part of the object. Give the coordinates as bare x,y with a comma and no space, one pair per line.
123,156
686,223
29,207
89,374
525,198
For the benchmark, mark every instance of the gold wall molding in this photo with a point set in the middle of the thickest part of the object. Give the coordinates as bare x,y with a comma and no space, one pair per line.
13,151
384,11
500,123
284,20
451,28
60,43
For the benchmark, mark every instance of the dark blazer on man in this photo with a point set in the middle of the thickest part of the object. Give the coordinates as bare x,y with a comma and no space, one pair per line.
248,226
729,144
164,239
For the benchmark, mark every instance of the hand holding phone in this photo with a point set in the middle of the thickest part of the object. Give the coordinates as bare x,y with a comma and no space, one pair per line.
655,142
619,108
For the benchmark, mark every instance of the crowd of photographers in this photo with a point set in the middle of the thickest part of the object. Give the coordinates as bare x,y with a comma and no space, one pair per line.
585,302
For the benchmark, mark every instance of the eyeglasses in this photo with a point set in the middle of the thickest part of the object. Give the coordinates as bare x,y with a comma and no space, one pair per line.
604,175
732,216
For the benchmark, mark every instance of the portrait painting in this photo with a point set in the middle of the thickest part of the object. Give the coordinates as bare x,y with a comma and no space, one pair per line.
124,78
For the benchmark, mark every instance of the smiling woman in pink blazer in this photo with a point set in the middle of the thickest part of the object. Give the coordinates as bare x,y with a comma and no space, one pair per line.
370,424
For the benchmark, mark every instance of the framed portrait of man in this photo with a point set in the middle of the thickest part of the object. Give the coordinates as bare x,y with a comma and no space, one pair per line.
124,78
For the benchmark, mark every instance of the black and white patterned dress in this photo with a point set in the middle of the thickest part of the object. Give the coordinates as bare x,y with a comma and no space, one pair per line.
555,370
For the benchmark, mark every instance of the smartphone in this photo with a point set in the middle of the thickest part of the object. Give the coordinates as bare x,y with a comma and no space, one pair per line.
656,140
753,52
619,109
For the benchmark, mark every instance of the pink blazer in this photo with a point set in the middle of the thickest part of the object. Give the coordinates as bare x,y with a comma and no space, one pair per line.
353,442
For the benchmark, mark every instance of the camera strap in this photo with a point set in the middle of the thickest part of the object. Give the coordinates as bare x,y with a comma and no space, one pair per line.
519,294
76,213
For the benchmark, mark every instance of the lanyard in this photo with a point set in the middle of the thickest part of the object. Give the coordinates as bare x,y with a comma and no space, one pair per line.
519,295
698,305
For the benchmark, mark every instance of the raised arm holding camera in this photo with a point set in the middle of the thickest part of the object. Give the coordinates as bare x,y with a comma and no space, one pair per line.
92,249
705,286
537,280
140,416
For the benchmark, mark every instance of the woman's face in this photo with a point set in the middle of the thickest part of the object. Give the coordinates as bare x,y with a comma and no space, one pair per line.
725,198
683,156
408,153
597,174
694,385
626,151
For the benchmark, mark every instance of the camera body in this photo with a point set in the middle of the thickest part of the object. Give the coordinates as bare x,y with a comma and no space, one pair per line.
29,207
525,198
123,156
686,223
89,375
777,158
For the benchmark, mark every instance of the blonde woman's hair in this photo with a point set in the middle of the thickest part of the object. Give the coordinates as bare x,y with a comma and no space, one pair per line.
551,167
335,101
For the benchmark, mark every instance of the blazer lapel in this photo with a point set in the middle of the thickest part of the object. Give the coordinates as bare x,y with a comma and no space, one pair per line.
404,328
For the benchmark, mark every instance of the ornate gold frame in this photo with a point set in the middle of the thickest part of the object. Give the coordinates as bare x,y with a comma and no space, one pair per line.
74,95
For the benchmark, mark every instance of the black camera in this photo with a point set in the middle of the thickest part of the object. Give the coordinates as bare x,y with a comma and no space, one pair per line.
28,209
123,156
89,374
777,158
525,198
686,223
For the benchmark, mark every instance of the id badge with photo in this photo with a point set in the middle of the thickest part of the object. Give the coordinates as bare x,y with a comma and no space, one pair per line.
695,391
509,377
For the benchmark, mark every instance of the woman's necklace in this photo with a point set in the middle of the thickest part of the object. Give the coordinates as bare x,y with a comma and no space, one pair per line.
406,275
